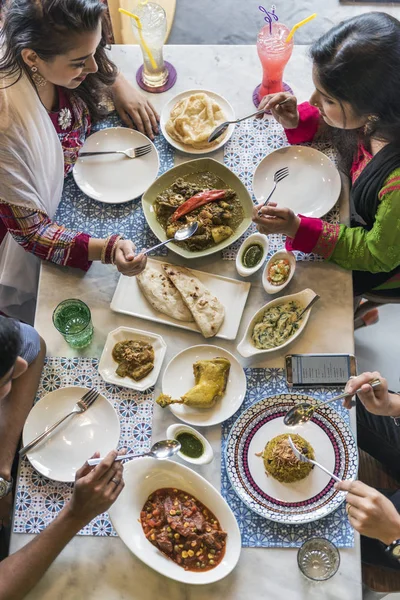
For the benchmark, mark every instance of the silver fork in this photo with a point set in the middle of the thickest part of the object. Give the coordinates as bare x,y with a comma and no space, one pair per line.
81,406
278,176
304,459
130,152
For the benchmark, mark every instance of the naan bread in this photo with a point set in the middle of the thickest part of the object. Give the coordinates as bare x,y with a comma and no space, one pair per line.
163,295
207,310
193,119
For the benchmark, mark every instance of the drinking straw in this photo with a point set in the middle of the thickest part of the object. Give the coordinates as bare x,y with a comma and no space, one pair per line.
300,24
139,26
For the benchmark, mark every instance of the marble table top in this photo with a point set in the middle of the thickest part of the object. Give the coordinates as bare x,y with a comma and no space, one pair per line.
103,568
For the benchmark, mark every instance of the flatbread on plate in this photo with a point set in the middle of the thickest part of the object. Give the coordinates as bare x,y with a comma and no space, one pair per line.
193,119
163,295
207,310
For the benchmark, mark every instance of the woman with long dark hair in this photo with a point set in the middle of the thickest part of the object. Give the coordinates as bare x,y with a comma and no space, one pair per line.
55,79
356,73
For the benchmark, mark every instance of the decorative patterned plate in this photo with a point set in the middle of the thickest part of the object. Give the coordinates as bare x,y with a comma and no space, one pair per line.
302,502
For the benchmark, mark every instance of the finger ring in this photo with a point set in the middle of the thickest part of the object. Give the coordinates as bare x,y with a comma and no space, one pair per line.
116,481
348,507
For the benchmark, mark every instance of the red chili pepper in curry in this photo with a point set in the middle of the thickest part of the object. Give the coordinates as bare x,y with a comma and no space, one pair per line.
197,200
183,529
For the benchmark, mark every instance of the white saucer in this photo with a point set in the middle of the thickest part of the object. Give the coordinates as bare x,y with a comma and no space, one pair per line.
66,449
312,186
225,106
114,178
178,379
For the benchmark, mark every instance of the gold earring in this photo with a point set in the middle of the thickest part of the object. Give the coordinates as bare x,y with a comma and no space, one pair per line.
37,77
370,125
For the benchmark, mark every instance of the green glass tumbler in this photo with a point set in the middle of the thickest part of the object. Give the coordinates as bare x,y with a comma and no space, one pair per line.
73,320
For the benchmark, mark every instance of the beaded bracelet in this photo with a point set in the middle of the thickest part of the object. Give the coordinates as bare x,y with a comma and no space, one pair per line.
108,251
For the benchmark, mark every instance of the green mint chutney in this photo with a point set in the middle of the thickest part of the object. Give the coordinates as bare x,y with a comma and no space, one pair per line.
191,446
252,256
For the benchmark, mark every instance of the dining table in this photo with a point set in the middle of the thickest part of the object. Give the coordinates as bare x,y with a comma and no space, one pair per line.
103,568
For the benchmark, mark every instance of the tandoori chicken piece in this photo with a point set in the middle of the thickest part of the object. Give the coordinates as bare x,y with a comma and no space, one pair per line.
211,378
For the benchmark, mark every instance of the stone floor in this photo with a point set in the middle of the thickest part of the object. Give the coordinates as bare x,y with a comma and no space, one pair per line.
238,21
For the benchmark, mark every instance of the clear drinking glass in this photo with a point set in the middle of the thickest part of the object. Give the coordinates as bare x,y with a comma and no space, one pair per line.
152,35
318,559
73,320
274,54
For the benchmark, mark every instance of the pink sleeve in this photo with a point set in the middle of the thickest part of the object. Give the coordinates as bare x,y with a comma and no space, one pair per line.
307,235
307,127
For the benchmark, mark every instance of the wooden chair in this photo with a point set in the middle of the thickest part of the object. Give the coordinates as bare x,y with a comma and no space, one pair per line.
377,580
122,28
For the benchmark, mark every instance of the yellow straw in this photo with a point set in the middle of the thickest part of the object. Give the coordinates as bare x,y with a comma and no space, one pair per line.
139,26
300,24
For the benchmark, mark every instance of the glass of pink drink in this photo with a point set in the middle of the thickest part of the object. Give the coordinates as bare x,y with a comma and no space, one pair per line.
274,54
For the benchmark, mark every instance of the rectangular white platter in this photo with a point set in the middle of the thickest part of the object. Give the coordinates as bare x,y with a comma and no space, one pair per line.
129,300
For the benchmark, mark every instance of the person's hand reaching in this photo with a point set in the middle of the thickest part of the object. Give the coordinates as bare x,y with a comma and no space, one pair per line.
286,114
126,261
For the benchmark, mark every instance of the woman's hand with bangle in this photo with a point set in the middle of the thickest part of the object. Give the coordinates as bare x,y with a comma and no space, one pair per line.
125,259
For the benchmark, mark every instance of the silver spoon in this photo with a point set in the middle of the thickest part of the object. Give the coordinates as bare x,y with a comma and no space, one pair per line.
309,305
180,235
221,128
162,450
300,414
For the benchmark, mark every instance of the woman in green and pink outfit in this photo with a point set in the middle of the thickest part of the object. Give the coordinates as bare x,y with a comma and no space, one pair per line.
356,105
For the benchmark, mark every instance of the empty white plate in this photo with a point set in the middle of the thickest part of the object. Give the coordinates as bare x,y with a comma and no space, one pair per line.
178,379
226,108
66,449
312,187
115,178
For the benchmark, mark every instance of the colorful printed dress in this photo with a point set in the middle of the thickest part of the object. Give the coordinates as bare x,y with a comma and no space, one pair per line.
33,229
354,248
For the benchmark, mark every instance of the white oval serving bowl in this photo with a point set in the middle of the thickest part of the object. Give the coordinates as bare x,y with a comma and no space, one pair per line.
255,238
145,475
280,255
108,366
208,454
246,347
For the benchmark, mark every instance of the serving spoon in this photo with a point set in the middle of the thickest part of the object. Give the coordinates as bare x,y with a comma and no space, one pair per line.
223,127
180,235
300,414
161,450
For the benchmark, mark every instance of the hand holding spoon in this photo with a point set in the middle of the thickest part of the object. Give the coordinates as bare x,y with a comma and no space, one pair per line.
162,450
180,235
300,414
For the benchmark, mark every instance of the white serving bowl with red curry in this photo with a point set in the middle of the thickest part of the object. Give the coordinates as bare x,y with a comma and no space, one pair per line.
150,515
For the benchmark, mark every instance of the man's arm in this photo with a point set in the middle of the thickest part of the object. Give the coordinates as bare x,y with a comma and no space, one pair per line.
94,492
15,408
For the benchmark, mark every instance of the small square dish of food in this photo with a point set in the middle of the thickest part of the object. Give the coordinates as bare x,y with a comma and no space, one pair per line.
132,358
176,522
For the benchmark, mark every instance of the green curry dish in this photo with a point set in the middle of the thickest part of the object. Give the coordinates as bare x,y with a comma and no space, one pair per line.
277,325
217,220
280,461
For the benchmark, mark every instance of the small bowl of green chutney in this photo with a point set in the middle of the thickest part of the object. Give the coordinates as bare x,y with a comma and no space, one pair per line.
195,449
252,254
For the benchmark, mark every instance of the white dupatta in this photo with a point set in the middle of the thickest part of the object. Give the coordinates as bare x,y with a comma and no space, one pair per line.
31,175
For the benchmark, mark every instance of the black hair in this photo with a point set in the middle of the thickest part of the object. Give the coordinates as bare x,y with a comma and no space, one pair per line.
49,28
358,61
10,344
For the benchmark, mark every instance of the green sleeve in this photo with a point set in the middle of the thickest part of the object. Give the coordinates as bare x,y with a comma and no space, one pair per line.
377,250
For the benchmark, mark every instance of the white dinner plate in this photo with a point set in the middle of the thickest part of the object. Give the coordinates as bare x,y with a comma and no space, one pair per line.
232,293
66,449
108,366
142,477
115,178
224,104
178,379
304,501
312,187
